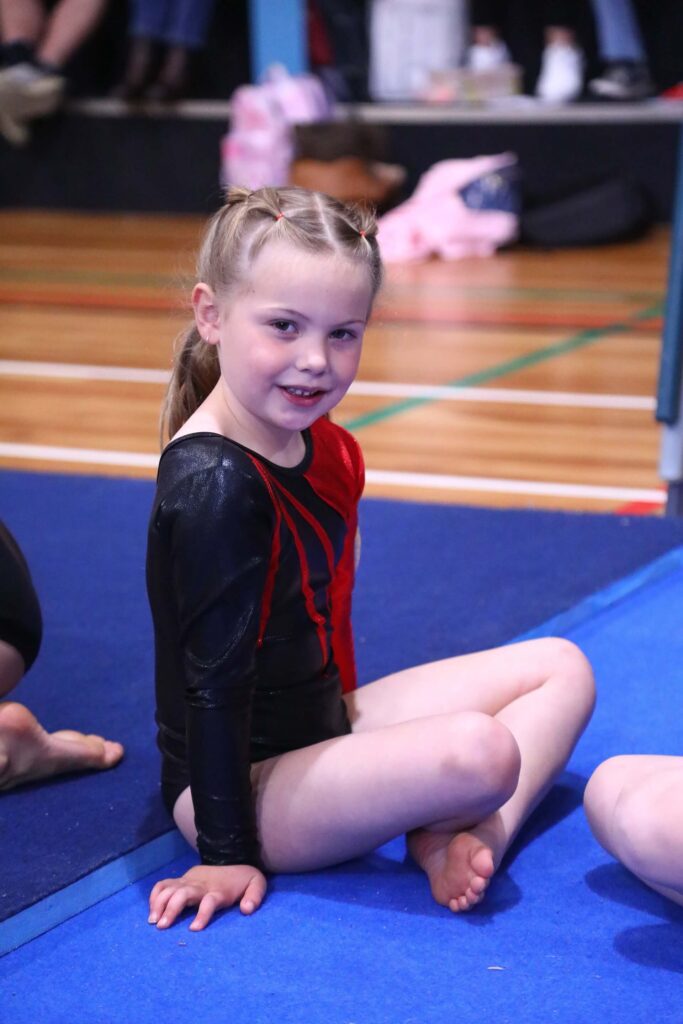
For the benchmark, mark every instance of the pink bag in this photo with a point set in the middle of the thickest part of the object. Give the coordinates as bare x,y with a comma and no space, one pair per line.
436,220
259,148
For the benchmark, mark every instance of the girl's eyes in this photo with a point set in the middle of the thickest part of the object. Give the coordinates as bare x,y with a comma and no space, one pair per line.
284,326
289,327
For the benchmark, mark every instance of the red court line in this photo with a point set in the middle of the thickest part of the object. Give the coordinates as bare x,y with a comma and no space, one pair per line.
160,303
91,300
639,508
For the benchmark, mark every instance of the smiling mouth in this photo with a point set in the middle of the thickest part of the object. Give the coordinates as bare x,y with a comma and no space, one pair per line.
302,392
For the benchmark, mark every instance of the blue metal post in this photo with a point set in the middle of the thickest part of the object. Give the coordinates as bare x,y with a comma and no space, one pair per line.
278,35
669,391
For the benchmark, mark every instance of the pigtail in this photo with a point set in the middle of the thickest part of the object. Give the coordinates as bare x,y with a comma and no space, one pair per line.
196,372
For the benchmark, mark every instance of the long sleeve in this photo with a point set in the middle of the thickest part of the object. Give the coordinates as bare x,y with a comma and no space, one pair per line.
220,541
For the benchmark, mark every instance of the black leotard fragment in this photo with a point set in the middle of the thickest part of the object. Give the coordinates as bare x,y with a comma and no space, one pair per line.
21,623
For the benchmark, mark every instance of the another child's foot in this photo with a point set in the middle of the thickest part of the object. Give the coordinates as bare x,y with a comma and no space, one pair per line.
28,752
459,868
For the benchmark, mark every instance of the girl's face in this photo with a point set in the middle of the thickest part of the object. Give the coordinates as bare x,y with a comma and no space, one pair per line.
289,341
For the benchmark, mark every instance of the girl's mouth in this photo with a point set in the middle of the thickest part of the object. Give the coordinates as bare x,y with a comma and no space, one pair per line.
302,396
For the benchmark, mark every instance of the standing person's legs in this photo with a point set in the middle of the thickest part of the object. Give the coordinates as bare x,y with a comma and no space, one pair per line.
561,77
457,753
621,47
185,32
68,26
21,22
634,804
618,31
488,50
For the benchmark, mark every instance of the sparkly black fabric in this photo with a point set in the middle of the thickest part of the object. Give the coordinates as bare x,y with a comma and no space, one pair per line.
21,623
239,578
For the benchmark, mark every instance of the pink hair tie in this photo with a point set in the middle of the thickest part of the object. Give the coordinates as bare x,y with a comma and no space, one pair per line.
279,216
361,233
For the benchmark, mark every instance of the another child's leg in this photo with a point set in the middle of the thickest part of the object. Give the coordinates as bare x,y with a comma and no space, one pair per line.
27,751
634,805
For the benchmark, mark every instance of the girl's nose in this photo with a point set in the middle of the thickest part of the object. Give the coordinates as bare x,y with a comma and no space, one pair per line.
312,355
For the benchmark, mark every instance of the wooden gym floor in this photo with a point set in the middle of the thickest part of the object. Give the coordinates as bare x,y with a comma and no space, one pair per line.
526,380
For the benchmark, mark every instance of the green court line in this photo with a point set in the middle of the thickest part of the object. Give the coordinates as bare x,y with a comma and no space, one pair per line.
559,348
566,294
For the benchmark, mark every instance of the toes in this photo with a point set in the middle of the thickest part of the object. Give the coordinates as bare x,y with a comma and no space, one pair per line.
102,753
478,886
113,752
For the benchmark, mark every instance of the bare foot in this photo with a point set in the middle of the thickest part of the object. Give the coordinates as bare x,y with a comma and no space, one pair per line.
458,867
28,752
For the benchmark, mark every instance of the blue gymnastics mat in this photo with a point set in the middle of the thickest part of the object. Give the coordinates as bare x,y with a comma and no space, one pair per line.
564,934
433,581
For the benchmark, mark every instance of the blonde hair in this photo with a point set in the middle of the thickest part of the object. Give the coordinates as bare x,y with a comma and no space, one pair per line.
235,235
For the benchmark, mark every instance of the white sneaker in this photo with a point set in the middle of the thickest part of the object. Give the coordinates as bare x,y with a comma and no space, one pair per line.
486,58
561,77
28,91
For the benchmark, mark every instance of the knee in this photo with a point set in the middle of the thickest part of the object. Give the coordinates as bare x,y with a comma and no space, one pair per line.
568,663
482,752
626,813
641,826
601,795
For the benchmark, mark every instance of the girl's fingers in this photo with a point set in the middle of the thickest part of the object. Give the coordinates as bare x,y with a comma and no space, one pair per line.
159,897
183,897
253,896
206,910
158,888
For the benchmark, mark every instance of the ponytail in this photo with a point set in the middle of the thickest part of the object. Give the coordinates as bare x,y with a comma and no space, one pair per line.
196,372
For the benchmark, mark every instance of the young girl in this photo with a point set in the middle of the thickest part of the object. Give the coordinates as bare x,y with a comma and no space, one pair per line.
272,760
634,804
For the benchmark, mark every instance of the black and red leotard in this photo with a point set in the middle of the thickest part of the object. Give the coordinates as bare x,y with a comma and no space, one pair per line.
249,575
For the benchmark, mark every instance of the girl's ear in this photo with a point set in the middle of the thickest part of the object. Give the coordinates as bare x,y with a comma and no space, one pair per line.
206,313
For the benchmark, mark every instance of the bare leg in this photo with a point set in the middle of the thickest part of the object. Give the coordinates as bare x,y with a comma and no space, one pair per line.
634,805
485,35
435,749
560,35
543,692
68,27
27,751
21,22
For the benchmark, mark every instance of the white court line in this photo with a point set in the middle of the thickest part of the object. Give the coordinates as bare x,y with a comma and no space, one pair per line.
433,481
93,456
436,481
81,371
379,389
455,393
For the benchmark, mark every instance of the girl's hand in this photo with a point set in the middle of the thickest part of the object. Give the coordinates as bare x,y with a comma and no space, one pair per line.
212,887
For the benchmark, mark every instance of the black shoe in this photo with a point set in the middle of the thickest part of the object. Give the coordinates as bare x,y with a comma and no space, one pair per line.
142,66
623,80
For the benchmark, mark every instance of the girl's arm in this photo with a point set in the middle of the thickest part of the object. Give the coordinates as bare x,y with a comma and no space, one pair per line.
221,556
210,544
